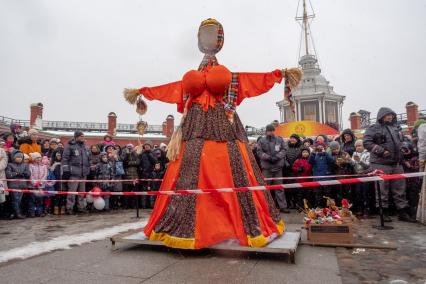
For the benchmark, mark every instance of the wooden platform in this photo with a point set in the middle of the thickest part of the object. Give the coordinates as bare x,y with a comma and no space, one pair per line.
284,245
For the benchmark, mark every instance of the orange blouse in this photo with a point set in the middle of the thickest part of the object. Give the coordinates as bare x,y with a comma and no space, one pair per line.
208,86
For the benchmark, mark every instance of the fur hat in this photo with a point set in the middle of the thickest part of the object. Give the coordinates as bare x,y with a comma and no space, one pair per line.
35,155
54,141
32,131
148,142
334,145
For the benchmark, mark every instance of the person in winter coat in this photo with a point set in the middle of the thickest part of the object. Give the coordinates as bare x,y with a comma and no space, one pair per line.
308,143
347,139
148,162
53,146
321,162
105,171
18,170
94,155
410,163
383,140
9,143
294,145
414,133
131,162
45,147
59,200
158,173
30,143
16,130
3,165
343,165
107,141
161,157
76,166
38,182
363,191
302,168
322,139
119,172
271,150
421,147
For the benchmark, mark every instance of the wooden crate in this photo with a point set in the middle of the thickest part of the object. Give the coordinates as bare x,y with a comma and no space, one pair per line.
330,233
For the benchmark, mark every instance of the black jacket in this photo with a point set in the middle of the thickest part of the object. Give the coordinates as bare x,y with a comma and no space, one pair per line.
147,164
75,159
17,171
293,151
348,146
382,137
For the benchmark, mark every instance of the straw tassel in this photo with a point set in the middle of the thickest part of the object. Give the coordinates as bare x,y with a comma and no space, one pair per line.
293,76
131,95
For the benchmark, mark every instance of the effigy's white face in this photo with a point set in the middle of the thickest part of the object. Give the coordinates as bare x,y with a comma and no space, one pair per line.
208,38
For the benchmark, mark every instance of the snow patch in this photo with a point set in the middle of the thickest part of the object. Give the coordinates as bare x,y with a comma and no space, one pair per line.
65,242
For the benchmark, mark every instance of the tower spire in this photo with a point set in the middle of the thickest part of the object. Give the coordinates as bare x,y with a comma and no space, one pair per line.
304,19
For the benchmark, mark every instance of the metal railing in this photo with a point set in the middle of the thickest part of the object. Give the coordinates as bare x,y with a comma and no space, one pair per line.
84,126
401,118
7,121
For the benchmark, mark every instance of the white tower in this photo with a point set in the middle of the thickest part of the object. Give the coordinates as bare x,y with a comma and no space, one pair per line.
314,98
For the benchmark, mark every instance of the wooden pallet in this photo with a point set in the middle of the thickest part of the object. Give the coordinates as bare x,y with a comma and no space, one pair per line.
284,245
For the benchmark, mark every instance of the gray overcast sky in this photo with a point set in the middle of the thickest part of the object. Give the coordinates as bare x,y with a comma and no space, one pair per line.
76,56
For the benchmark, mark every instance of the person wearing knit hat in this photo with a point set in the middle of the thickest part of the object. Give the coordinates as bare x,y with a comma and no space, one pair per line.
78,133
26,158
270,128
272,153
294,144
34,156
32,131
76,166
362,197
334,147
16,170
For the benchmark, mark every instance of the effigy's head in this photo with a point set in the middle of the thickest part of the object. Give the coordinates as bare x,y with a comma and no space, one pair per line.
210,36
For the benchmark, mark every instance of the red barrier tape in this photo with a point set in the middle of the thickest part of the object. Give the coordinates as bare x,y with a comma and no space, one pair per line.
157,180
223,190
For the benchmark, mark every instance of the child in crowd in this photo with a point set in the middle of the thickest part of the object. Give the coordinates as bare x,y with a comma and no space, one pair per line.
17,169
302,168
363,195
105,171
321,162
38,176
410,164
158,173
47,199
343,165
59,200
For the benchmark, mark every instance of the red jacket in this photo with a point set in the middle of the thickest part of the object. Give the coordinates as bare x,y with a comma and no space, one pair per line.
302,168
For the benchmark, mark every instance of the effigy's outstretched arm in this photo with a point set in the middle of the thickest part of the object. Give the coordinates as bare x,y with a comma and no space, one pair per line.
171,93
256,84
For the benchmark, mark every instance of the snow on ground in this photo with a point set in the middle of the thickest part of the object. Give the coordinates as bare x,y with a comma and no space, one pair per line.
65,242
